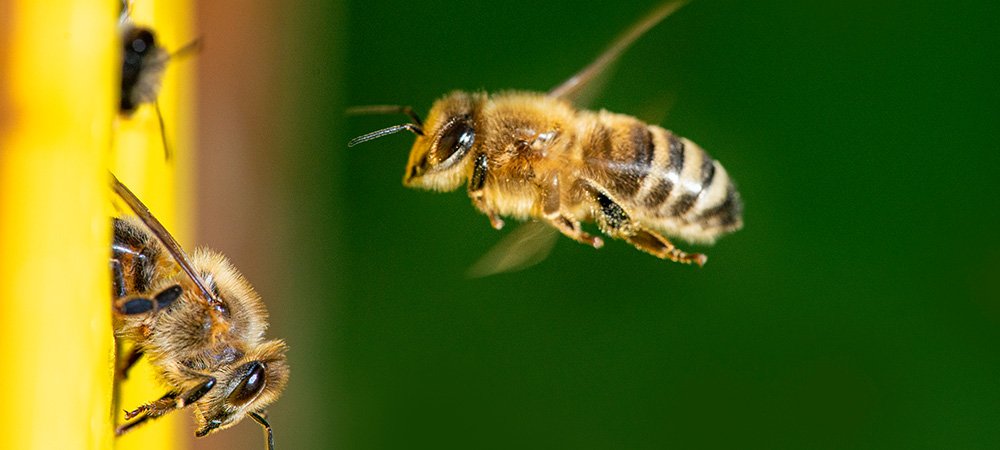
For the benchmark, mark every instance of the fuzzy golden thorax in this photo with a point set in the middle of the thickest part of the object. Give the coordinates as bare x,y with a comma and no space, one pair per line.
189,329
188,347
439,160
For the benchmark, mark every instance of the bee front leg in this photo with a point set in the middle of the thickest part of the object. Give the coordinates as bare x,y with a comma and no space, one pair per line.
170,401
660,247
148,411
477,193
616,222
559,219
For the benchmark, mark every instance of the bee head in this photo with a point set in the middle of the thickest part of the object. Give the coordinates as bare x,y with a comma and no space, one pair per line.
245,388
142,64
438,159
139,42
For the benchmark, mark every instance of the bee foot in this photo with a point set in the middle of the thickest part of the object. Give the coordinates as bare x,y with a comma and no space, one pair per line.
496,222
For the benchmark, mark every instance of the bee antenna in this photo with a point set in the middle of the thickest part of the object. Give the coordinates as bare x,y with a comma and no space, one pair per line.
268,436
385,132
386,109
191,47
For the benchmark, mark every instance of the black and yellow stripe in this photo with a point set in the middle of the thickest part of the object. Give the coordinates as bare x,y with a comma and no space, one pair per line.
664,179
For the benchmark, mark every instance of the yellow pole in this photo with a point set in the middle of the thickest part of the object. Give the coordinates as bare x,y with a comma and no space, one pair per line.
57,100
164,186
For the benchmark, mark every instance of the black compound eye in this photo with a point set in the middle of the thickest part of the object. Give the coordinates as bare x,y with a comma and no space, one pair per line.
252,383
456,139
140,41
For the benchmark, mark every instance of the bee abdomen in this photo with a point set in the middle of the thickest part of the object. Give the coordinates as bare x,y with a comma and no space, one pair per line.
663,176
138,258
689,186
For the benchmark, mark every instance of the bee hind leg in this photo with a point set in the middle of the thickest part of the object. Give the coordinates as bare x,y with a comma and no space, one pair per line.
615,221
658,246
559,219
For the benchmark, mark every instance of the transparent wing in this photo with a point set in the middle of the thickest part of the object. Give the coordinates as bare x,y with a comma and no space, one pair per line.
168,241
571,88
524,247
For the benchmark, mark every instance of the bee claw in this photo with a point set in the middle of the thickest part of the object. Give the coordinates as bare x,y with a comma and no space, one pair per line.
699,259
496,222
129,415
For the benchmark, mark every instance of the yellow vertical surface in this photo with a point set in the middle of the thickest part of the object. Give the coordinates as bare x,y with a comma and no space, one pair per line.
57,101
164,186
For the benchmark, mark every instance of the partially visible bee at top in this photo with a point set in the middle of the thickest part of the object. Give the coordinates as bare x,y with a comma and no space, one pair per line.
534,156
198,321
143,65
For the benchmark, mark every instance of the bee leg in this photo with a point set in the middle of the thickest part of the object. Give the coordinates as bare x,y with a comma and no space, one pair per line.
148,411
571,229
614,221
170,401
133,357
194,394
117,279
477,193
166,297
660,247
142,305
551,210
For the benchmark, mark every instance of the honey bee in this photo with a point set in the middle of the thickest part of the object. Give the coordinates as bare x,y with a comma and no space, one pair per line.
143,65
198,321
535,156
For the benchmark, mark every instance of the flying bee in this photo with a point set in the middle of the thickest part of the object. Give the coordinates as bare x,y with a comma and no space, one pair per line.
535,156
143,65
198,321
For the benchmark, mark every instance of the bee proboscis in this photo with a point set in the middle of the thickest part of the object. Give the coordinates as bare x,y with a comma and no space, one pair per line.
198,321
534,156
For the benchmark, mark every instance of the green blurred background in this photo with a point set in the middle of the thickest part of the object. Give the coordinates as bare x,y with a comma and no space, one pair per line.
858,308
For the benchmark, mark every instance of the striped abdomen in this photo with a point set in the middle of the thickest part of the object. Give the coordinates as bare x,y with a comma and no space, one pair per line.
665,181
136,258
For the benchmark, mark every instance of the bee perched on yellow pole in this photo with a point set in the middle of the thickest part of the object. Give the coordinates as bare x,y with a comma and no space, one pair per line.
535,156
143,64
198,321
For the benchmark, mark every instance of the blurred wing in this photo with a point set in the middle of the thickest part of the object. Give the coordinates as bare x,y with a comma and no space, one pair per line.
572,88
657,107
524,247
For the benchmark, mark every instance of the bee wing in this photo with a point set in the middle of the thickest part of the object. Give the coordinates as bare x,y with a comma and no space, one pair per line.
168,241
524,247
572,88
657,107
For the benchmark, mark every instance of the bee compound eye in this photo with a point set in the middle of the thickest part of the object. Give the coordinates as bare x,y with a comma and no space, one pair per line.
140,41
252,382
456,139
